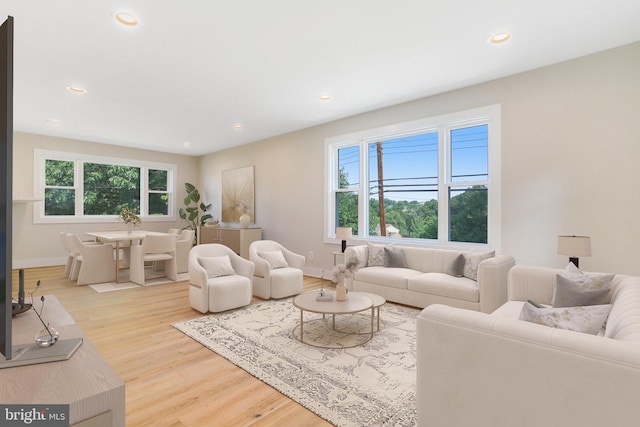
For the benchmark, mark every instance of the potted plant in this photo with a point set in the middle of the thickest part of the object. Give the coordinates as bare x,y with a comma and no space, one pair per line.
195,211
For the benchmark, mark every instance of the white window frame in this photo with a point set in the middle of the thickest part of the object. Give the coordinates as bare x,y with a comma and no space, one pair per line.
40,157
490,115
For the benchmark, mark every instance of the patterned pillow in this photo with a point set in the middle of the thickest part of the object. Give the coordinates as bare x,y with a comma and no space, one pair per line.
217,266
473,260
376,254
274,258
589,319
588,280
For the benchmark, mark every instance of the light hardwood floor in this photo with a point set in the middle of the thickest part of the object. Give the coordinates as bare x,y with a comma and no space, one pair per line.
171,380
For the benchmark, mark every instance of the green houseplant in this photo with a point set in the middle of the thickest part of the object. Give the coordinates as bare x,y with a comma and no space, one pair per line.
195,211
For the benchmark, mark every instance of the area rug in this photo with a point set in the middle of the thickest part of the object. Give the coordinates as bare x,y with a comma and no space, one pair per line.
151,278
373,384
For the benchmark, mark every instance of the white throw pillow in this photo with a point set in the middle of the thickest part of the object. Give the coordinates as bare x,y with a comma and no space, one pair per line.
274,258
588,319
472,261
376,254
217,266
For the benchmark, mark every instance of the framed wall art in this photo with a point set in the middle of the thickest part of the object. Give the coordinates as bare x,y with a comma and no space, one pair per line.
238,192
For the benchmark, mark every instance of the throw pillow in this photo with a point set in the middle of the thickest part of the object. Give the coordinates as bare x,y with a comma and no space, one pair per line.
473,260
217,266
274,258
571,294
589,319
588,280
394,257
456,268
376,254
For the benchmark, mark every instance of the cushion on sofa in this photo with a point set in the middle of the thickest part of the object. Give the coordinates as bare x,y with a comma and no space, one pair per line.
376,254
431,260
391,277
588,319
445,285
587,280
571,294
472,262
394,257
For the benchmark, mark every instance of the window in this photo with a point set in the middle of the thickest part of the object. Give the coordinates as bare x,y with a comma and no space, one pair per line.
433,180
80,188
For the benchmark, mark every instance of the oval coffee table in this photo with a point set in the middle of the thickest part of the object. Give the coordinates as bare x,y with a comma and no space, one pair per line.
354,303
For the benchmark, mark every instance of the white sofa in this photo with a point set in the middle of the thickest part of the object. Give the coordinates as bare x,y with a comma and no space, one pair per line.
427,278
495,370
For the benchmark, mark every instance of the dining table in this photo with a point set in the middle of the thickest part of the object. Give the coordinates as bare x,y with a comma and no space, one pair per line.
119,236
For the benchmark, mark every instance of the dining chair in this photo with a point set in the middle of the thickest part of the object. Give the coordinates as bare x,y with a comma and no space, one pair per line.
93,263
278,271
184,243
152,249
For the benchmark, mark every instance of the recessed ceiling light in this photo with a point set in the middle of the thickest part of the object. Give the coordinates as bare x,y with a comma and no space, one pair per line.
126,18
500,38
53,122
76,89
325,97
186,144
237,125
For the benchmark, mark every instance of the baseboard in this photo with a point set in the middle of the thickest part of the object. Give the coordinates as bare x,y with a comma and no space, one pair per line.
38,262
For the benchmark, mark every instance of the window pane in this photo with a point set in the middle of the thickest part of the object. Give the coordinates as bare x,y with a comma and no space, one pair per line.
58,201
469,151
109,188
59,173
403,174
347,211
349,167
468,214
157,180
158,204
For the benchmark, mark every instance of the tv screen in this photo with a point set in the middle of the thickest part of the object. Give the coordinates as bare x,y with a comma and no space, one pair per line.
6,184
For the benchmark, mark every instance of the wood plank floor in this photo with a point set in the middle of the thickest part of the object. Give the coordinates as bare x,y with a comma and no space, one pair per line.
171,380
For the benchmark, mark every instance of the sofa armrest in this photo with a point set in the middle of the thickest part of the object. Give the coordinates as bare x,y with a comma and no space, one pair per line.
493,279
477,369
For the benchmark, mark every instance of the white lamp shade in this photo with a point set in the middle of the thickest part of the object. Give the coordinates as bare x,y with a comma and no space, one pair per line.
574,246
343,233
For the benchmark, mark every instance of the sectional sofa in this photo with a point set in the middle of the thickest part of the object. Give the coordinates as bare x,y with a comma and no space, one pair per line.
420,276
497,370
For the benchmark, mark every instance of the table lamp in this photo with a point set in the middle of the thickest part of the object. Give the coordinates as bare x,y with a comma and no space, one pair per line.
344,234
574,247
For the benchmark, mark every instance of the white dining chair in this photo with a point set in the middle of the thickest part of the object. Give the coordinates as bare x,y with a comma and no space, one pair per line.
154,248
184,243
93,263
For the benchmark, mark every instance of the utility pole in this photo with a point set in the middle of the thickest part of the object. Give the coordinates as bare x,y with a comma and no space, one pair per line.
383,222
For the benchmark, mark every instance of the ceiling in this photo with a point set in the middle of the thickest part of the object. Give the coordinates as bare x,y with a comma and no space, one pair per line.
190,71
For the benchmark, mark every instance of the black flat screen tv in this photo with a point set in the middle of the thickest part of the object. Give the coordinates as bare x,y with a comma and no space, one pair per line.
6,183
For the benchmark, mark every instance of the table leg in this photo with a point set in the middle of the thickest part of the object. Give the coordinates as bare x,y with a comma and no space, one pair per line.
117,261
373,309
378,309
301,326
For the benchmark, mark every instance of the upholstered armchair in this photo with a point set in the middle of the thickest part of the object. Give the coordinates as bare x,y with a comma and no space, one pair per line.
92,263
278,271
219,279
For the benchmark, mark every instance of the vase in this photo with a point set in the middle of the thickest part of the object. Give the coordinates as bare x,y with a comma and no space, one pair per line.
244,220
46,338
129,227
341,291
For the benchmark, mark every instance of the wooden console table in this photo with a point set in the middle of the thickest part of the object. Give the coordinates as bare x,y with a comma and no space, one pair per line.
236,238
94,392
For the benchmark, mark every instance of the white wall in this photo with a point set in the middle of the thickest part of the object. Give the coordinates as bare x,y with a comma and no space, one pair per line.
39,244
570,163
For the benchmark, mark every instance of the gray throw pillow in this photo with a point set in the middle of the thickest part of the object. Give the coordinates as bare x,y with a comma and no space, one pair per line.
456,268
394,257
571,294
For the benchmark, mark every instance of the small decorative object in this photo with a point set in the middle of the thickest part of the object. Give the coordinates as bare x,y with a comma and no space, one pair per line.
129,217
244,218
323,296
49,335
341,291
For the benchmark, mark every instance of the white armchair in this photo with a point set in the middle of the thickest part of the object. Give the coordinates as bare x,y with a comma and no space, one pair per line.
278,271
219,279
93,263
153,248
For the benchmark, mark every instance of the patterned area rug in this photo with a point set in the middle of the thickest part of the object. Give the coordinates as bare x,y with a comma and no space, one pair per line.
369,385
